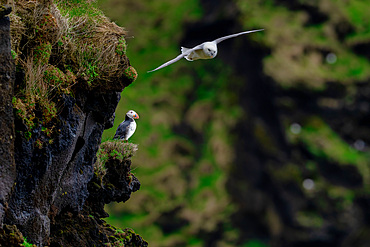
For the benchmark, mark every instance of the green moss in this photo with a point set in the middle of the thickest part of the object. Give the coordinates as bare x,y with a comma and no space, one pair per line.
25,110
130,73
26,244
121,47
126,237
41,53
58,80
116,149
78,8
116,155
14,54
39,144
89,64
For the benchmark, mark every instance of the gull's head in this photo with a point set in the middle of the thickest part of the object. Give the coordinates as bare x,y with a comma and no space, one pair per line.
132,114
210,49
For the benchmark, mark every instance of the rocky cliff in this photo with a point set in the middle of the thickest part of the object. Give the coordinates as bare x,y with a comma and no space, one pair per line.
63,67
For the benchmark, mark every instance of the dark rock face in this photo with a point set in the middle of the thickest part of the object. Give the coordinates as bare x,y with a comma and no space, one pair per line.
56,176
117,185
86,227
87,230
7,75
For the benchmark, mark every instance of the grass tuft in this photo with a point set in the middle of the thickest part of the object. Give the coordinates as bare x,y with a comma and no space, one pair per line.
96,44
113,150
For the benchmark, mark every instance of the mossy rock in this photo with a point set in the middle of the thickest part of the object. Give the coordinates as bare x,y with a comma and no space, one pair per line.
121,47
130,73
126,237
61,81
87,230
41,53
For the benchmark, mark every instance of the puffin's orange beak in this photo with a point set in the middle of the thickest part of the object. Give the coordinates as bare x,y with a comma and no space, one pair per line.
136,116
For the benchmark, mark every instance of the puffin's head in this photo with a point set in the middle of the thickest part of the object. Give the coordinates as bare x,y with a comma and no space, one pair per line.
132,114
210,49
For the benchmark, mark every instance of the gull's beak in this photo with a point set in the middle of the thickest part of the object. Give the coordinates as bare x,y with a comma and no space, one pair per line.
136,116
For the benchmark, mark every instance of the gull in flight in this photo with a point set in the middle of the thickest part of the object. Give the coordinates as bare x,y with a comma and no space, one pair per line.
206,50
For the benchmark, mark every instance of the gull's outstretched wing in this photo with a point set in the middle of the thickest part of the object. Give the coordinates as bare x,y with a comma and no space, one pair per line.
235,35
178,57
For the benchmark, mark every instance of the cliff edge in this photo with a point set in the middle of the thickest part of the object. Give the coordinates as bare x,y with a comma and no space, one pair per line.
63,67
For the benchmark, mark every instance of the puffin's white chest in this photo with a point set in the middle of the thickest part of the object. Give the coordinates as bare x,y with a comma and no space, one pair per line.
130,129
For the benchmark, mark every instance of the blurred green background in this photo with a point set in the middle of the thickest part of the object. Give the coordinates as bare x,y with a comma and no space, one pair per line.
265,145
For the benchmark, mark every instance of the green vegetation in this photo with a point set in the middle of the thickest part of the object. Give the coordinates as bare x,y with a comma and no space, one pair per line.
190,111
41,53
130,73
302,56
115,150
26,244
69,45
14,54
324,143
169,176
126,237
121,47
79,8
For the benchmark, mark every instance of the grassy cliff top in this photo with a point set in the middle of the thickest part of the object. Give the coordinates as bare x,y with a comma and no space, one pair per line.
61,48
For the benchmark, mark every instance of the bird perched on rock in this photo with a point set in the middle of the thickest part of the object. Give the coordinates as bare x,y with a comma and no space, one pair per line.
206,50
127,128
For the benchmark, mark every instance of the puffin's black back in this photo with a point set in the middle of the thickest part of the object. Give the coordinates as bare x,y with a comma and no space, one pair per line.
123,128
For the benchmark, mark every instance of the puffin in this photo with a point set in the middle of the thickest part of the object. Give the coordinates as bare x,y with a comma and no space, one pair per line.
127,128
